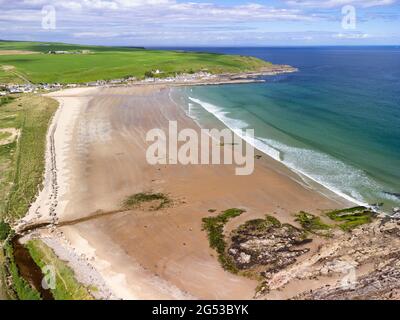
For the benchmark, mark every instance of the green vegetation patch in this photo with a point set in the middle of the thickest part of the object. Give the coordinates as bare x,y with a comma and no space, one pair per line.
259,226
5,135
9,76
155,201
313,224
22,288
4,295
22,163
352,217
215,231
5,230
106,63
21,172
66,287
5,100
347,219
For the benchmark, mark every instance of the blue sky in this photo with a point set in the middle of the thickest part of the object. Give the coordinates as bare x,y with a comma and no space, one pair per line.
203,22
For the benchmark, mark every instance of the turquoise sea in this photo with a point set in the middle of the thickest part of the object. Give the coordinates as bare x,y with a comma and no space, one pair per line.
337,120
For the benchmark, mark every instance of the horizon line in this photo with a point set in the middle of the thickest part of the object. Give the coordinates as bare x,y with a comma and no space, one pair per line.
210,45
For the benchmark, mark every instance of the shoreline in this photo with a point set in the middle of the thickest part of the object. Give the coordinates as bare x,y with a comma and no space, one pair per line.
308,177
69,122
304,176
51,190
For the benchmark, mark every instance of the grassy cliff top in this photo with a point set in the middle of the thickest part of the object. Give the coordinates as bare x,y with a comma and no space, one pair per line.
20,61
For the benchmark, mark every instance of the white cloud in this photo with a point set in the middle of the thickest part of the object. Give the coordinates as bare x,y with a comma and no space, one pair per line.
339,3
96,34
351,35
164,9
176,21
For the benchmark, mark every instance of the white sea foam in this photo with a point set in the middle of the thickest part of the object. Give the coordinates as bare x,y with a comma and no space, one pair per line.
190,109
221,115
237,127
335,175
332,173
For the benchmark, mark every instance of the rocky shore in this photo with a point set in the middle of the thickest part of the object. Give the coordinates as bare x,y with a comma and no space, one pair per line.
359,264
368,261
269,243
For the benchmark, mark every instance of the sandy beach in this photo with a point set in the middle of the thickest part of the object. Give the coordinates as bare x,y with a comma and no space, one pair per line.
97,158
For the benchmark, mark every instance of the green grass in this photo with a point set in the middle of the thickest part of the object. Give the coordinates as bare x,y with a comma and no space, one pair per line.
351,218
22,163
215,231
67,287
107,63
4,230
4,294
343,212
158,200
347,220
260,226
44,47
4,135
9,77
5,100
312,223
22,288
21,170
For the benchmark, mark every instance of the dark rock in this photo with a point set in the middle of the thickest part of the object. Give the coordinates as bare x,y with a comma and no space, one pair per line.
267,243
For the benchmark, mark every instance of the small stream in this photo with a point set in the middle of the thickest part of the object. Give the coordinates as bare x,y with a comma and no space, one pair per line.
28,269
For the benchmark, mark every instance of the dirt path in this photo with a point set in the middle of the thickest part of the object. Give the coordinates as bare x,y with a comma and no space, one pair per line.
14,52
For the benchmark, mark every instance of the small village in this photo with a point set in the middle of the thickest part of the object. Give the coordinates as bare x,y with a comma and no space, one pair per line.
151,77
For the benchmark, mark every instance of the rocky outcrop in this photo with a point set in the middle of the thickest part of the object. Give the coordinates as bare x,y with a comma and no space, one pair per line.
380,284
366,264
267,245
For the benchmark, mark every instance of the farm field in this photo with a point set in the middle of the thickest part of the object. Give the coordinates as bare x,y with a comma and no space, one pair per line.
105,63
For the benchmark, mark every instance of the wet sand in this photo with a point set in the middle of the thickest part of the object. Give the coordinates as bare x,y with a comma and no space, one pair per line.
100,147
